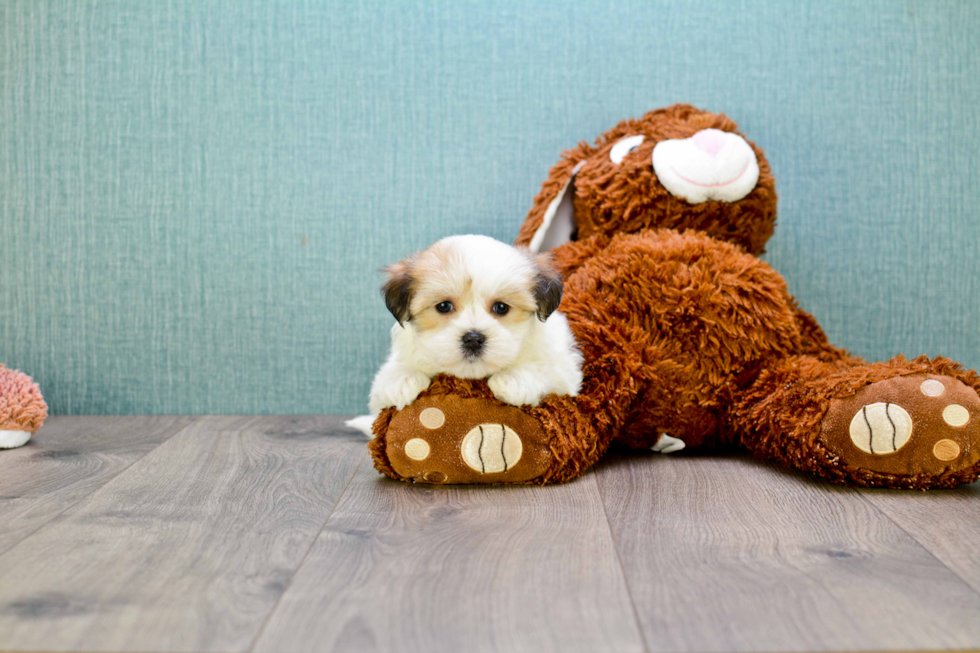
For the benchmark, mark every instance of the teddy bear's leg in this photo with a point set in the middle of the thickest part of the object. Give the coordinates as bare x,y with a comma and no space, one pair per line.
901,423
457,432
688,317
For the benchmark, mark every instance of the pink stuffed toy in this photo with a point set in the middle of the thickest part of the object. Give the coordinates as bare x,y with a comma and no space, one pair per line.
22,409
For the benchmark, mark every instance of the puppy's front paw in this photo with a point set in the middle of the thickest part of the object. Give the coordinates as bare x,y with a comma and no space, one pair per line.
516,389
399,390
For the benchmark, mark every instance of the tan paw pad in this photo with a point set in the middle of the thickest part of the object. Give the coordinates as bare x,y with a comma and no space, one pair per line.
932,388
432,418
946,450
417,449
956,415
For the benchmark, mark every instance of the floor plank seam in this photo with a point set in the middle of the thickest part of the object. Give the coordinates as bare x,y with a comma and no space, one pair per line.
340,497
619,561
109,480
921,544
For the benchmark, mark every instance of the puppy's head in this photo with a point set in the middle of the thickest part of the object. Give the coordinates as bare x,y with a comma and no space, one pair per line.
472,302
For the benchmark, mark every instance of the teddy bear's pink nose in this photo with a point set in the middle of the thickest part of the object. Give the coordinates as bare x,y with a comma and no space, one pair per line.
709,140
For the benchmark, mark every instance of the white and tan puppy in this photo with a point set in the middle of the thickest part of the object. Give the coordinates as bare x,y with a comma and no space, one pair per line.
475,308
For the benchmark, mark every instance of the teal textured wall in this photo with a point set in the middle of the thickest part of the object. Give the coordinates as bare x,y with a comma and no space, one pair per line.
195,196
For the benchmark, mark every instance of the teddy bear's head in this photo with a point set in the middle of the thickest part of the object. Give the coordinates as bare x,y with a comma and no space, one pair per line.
678,168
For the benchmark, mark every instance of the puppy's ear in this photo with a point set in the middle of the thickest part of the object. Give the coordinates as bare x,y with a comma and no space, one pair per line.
397,289
547,287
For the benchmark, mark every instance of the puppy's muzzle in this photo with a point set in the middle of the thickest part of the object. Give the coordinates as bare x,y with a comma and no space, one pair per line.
472,342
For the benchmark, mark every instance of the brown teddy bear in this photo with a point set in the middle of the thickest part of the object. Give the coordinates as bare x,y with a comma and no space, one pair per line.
685,332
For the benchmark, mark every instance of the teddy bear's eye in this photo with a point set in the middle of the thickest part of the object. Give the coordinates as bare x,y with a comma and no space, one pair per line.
624,147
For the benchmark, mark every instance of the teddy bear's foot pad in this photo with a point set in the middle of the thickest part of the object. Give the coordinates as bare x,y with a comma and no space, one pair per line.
446,439
907,425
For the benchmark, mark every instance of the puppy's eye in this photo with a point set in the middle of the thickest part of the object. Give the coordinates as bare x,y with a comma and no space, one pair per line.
501,308
444,307
624,147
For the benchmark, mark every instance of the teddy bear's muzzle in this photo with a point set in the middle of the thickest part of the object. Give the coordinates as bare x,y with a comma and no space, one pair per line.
711,165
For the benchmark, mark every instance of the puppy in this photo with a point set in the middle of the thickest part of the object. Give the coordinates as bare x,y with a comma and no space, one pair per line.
475,308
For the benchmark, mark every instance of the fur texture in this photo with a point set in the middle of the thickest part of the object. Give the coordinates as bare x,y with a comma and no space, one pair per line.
627,197
685,331
22,408
476,308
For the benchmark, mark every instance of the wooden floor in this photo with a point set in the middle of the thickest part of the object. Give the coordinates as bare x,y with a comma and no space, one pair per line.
276,534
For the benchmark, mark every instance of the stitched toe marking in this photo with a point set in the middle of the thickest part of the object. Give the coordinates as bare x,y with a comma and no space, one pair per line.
491,448
881,428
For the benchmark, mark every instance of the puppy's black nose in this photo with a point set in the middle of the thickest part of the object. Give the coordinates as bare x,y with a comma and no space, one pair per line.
473,341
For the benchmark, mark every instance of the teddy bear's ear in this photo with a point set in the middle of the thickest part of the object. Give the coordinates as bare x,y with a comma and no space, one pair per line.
558,226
